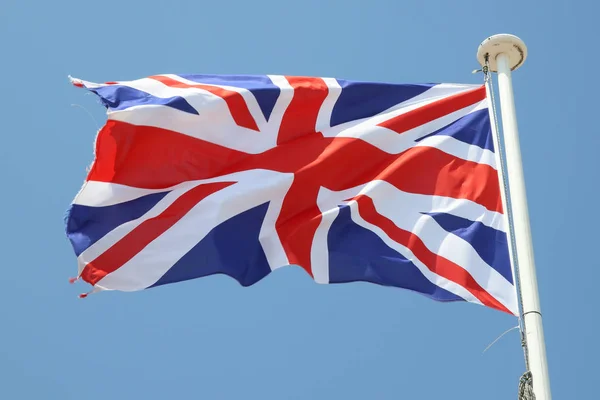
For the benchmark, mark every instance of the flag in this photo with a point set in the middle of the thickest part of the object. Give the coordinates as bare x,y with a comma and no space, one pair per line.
393,184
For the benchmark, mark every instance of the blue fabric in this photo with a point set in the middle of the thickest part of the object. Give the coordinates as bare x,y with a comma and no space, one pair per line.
116,97
86,225
366,99
231,248
472,129
358,254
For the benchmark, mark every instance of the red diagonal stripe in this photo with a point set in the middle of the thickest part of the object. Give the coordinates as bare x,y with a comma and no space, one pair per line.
125,249
300,117
434,262
235,101
435,110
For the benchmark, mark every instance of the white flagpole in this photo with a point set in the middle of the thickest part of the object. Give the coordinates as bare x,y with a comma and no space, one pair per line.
505,53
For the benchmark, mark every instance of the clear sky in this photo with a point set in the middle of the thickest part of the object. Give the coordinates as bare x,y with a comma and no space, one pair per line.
286,337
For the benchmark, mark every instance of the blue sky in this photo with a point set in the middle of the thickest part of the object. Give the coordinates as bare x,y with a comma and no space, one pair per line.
285,337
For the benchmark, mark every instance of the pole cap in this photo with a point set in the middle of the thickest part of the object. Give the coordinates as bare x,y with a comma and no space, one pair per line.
510,45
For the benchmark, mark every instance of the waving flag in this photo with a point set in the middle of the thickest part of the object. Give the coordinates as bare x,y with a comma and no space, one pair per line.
240,175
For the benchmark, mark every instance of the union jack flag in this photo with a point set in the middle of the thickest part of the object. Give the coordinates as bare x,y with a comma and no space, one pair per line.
394,184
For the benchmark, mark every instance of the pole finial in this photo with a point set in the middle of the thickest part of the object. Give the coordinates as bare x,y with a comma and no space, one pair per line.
510,45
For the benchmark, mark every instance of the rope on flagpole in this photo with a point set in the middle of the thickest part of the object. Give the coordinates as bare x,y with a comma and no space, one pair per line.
525,382
526,387
488,80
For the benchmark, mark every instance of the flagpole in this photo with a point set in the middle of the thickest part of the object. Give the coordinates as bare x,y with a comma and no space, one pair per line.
503,54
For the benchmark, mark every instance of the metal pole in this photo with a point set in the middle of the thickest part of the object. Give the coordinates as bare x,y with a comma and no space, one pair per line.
506,53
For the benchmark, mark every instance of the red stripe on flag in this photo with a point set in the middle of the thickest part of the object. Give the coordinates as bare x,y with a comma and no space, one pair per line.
434,262
235,101
427,170
300,117
155,158
435,110
125,249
